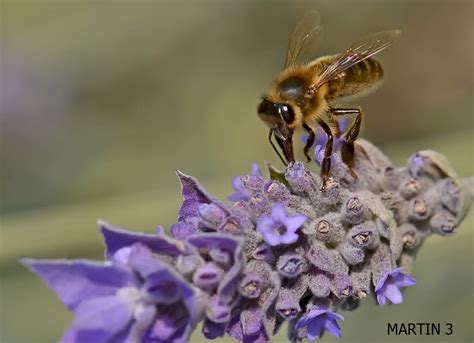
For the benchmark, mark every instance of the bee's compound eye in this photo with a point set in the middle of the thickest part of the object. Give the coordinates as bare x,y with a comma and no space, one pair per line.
287,113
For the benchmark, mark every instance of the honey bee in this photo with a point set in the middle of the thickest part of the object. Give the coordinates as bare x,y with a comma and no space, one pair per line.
303,94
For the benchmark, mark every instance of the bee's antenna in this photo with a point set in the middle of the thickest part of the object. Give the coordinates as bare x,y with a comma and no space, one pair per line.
270,134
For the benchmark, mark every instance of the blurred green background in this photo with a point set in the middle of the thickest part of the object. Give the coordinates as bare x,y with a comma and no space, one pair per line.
102,100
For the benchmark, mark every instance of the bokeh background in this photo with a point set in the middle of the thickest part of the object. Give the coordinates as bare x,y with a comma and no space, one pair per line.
101,101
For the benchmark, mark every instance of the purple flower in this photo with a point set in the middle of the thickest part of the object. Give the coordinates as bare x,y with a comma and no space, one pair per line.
241,193
389,286
279,227
318,320
122,301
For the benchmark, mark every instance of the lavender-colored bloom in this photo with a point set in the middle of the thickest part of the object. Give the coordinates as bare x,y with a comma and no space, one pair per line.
128,299
318,320
116,238
241,192
388,287
279,227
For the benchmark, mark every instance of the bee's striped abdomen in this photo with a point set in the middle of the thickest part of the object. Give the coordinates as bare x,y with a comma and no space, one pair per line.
357,80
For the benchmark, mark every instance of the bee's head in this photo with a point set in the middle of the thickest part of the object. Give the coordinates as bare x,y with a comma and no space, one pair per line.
279,116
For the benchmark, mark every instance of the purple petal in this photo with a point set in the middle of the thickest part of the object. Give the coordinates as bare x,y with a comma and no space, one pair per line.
241,193
404,280
265,224
109,314
381,298
314,329
159,230
279,213
182,230
381,282
116,238
288,238
76,281
213,330
217,311
74,335
251,319
293,223
234,329
213,240
256,170
393,294
142,260
332,327
144,316
193,194
228,286
163,288
263,253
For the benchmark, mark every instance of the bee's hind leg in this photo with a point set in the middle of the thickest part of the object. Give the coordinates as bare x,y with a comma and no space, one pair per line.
326,164
309,142
347,150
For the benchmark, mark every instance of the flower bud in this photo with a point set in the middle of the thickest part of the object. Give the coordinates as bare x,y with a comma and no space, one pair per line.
263,253
331,191
212,214
207,276
253,183
450,195
319,284
354,211
364,235
443,223
341,285
419,209
276,191
361,276
217,311
327,228
394,202
251,285
381,262
287,304
231,225
410,236
392,177
291,265
352,254
410,188
301,181
325,259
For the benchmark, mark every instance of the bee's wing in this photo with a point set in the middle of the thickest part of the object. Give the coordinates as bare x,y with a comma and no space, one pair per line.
303,37
359,51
